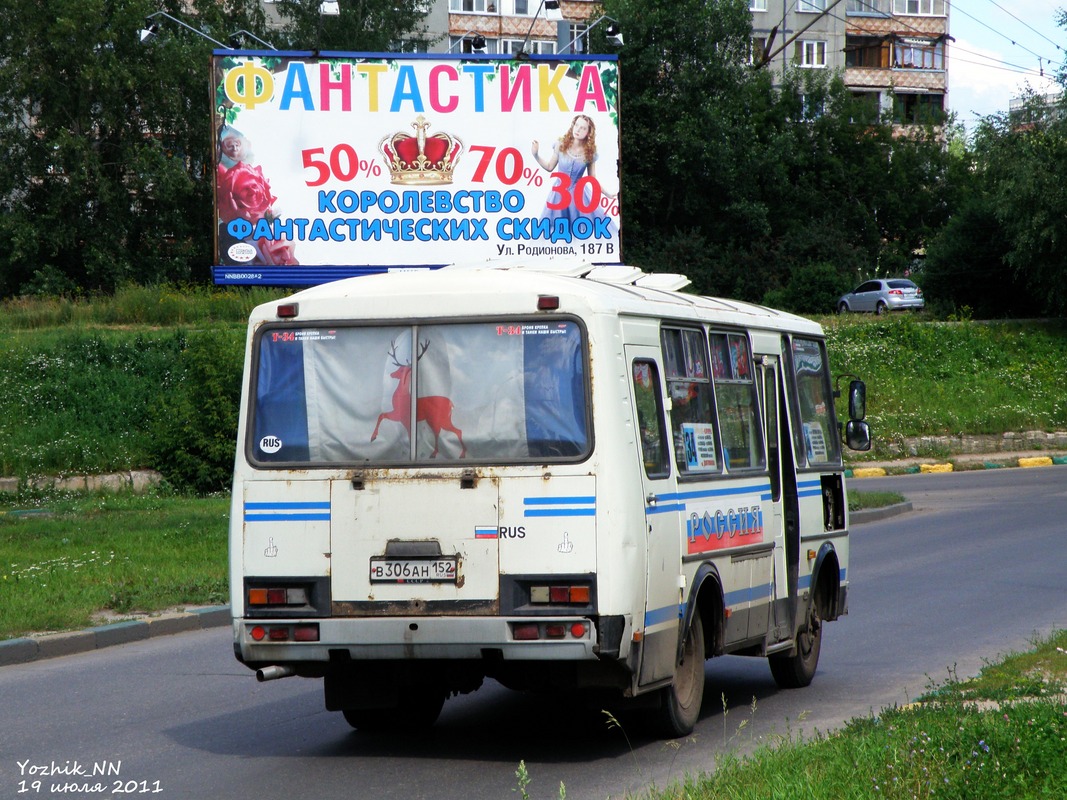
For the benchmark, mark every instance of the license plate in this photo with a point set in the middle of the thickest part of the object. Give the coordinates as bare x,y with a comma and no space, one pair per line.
413,570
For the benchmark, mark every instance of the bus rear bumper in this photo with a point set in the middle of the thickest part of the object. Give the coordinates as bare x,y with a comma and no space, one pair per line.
287,641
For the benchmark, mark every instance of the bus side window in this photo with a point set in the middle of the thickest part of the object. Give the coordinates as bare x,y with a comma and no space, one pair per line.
735,396
649,401
692,417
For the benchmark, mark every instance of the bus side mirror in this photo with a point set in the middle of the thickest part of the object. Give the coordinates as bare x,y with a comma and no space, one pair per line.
858,435
857,401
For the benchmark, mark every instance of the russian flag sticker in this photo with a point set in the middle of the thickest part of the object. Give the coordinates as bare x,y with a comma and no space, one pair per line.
486,532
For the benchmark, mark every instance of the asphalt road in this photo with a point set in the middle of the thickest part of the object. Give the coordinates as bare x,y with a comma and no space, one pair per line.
975,570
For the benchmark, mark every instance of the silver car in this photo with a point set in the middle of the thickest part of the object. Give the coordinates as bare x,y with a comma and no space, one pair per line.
881,295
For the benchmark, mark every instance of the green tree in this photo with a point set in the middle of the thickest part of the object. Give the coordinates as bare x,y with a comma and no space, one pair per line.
744,180
108,173
368,26
1023,169
105,178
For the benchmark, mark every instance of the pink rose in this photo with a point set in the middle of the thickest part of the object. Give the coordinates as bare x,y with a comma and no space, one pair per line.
242,191
278,252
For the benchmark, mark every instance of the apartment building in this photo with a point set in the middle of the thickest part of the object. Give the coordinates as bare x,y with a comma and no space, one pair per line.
509,26
892,52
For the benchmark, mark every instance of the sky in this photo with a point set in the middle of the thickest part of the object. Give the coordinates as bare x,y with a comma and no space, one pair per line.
1000,47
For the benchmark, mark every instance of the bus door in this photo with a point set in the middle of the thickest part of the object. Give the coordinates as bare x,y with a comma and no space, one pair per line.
663,591
784,520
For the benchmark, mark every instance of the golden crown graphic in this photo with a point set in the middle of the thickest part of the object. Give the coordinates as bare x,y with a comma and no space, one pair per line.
421,159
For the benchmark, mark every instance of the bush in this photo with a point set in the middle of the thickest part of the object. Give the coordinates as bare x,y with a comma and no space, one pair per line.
196,423
812,289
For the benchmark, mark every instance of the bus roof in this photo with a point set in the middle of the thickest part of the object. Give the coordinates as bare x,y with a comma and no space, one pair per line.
513,288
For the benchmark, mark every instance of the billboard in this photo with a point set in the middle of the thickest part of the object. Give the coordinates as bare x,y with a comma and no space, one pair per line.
330,165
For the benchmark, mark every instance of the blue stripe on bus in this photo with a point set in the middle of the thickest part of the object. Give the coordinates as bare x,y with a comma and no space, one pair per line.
285,506
805,580
580,506
662,507
556,501
752,594
287,517
656,616
291,511
560,512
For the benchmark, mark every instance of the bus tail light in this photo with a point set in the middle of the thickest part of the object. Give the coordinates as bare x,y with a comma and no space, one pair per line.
580,594
525,632
277,596
308,632
533,631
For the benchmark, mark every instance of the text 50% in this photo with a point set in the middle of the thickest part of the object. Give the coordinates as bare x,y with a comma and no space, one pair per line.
342,164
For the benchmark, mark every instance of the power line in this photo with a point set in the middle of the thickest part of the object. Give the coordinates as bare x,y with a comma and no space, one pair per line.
1026,25
953,10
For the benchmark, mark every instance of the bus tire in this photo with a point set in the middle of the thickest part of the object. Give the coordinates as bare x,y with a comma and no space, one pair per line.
681,701
797,670
416,712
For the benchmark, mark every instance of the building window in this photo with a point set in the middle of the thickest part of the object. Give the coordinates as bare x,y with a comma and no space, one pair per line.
411,46
812,54
757,5
869,7
473,6
919,109
757,47
465,44
533,47
919,8
919,54
869,52
811,5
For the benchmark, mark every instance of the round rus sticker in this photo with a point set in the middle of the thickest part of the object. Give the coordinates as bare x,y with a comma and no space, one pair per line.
242,252
270,444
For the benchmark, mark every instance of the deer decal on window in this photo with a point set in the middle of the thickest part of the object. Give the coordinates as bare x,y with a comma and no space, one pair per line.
435,411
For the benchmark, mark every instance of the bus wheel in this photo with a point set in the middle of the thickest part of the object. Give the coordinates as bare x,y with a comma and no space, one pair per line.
681,701
797,670
415,712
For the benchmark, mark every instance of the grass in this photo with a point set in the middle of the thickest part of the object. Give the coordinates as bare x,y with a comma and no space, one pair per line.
858,501
137,305
65,557
972,377
1002,734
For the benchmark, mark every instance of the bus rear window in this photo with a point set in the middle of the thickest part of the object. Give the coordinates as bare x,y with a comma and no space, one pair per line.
399,394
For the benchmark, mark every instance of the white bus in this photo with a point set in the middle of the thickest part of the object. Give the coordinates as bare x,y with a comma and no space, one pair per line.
556,477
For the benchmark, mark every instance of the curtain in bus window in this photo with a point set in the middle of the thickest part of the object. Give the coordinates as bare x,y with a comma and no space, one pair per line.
359,394
814,396
484,391
321,393
280,427
501,391
735,398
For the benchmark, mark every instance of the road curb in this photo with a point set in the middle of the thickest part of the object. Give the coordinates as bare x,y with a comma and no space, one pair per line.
36,648
876,514
914,466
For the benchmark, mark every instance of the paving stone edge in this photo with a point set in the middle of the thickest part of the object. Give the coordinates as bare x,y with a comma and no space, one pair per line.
35,648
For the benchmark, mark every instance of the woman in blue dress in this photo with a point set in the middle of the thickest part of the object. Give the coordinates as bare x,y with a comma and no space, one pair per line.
574,155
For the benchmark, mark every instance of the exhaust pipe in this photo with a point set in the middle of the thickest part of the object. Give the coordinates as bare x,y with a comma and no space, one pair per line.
274,673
